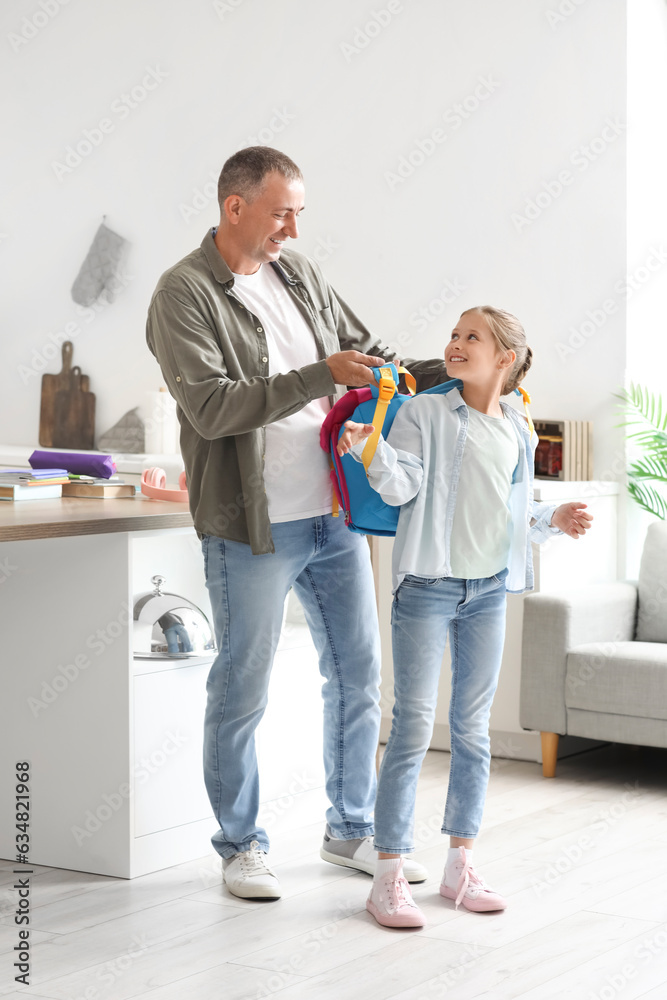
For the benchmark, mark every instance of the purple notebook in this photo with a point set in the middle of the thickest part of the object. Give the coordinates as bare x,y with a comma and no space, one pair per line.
83,464
34,473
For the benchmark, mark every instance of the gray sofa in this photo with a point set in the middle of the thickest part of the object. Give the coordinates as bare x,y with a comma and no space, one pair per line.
594,660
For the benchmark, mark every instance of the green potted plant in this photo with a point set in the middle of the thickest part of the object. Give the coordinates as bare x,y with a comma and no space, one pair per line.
644,409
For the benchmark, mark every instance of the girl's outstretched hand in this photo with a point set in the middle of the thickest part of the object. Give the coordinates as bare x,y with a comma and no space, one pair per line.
572,519
353,434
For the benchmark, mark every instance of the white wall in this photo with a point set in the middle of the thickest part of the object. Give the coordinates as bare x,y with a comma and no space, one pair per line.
348,98
647,220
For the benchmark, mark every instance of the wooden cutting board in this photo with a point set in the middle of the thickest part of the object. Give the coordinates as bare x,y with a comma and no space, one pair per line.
67,413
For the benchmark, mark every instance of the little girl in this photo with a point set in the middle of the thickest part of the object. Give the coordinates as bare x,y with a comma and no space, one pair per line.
460,466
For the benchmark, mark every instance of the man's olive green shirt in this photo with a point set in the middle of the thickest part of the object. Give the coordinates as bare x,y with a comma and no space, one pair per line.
215,360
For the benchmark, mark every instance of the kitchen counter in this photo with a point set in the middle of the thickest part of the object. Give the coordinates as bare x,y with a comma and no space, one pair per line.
26,519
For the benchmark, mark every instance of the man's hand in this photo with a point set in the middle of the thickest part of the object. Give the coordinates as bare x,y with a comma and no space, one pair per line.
353,368
572,519
353,434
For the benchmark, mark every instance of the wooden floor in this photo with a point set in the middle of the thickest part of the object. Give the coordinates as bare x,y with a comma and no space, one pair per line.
580,857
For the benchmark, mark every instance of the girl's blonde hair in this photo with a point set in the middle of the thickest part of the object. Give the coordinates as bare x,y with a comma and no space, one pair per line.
509,336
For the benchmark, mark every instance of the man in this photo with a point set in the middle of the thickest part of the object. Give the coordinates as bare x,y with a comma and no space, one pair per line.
252,342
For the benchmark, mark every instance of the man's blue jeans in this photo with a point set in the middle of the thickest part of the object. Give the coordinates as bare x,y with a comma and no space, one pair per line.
329,568
178,640
423,611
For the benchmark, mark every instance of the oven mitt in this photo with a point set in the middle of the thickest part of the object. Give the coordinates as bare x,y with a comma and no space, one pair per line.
100,268
127,435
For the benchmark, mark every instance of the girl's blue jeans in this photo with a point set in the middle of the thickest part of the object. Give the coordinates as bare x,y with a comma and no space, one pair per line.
423,612
330,570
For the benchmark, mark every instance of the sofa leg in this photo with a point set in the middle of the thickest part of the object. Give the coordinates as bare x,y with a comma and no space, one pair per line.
549,754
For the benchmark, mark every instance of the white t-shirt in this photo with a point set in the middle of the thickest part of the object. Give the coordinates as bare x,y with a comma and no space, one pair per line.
480,541
296,469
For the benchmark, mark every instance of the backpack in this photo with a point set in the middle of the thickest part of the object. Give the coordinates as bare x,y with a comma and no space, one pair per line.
365,511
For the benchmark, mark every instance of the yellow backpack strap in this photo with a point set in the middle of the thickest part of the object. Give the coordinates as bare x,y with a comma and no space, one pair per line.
526,400
334,498
409,380
386,393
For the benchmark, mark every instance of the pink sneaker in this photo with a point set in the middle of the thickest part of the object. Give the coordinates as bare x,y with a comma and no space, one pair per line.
391,902
471,889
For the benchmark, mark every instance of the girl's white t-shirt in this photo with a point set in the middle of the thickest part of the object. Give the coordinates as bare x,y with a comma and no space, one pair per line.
296,469
480,540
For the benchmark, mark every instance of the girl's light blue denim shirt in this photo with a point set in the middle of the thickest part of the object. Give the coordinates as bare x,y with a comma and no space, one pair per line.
418,469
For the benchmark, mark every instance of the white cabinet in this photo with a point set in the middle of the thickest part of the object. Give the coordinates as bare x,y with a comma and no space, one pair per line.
115,743
169,708
103,744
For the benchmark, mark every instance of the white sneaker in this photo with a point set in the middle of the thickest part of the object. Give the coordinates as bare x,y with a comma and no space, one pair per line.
247,876
362,856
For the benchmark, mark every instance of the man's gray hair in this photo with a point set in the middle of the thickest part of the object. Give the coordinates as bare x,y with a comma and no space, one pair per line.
245,172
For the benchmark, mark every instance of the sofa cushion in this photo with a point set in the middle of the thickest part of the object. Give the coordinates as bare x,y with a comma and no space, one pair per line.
652,615
624,678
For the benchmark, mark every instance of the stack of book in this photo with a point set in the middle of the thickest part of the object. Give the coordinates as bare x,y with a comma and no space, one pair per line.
101,489
565,450
47,484
32,484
